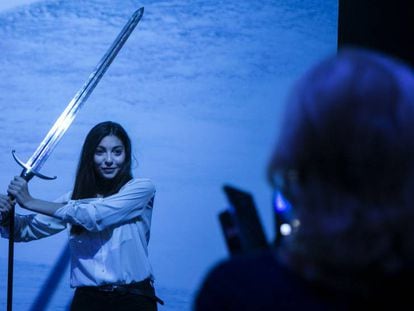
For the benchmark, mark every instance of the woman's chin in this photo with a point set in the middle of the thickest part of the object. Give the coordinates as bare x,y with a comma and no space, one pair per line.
108,176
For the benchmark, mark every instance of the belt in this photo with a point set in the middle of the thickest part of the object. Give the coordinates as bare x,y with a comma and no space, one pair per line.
143,288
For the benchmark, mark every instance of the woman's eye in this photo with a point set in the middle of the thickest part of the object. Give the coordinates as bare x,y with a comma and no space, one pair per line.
99,152
118,152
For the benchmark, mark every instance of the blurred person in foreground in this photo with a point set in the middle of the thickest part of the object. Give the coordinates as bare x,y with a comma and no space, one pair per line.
345,164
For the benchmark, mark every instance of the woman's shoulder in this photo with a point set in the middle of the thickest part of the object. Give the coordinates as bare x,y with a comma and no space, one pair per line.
140,184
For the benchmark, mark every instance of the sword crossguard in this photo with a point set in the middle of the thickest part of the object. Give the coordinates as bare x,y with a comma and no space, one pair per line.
27,172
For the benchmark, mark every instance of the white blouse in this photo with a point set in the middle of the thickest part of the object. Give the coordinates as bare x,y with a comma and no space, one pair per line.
114,247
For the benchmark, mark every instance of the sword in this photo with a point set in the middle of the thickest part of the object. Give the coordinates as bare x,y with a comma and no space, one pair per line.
32,167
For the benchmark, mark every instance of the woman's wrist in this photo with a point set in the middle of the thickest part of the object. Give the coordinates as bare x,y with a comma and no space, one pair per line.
26,201
31,204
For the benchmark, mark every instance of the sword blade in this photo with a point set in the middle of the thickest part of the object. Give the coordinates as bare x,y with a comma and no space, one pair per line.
64,121
33,165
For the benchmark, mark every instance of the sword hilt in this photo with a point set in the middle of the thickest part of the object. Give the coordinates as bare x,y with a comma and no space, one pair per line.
27,172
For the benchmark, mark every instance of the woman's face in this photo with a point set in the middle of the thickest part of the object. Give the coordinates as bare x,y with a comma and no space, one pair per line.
109,156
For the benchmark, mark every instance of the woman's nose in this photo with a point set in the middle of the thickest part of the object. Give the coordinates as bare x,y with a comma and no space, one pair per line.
108,160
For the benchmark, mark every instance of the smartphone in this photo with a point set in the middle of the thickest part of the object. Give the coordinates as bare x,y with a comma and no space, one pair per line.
240,223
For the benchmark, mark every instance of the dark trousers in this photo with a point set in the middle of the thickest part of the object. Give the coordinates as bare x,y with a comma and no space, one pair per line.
119,299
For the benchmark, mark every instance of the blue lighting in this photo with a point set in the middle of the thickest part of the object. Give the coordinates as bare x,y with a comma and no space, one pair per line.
280,203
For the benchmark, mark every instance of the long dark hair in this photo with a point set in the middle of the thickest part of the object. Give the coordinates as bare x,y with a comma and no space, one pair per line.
88,182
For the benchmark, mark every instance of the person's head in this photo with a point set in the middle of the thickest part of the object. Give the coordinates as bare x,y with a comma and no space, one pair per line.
105,161
345,160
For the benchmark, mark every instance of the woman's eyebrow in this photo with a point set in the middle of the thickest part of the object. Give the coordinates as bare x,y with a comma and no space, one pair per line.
115,147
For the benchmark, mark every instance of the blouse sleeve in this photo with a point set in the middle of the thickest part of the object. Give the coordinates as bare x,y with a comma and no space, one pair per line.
99,213
35,226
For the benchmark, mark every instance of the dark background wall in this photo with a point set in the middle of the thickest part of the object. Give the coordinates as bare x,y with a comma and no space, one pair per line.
387,26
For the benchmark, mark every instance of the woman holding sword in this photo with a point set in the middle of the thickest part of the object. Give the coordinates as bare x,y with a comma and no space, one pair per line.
108,215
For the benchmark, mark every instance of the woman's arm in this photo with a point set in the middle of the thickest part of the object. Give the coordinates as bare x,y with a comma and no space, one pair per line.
93,214
33,227
97,214
42,207
18,189
27,227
